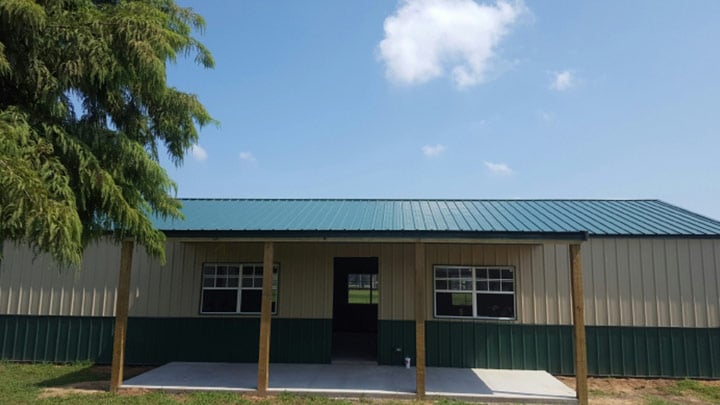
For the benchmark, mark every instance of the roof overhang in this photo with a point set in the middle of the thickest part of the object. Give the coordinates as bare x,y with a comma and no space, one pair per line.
380,236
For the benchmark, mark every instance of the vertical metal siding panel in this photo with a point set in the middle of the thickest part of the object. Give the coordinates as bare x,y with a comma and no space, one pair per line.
550,290
710,282
290,262
673,264
599,283
564,288
398,280
679,282
408,266
625,282
385,265
176,275
610,272
684,275
524,274
429,287
190,268
648,277
538,286
325,289
637,292
432,258
660,271
697,306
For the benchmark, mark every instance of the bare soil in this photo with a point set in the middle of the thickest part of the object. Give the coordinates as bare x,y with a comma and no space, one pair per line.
639,391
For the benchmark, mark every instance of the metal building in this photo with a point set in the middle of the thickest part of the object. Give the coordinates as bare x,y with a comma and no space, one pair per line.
496,276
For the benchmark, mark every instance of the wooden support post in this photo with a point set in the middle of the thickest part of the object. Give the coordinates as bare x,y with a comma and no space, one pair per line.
420,320
265,320
122,303
578,301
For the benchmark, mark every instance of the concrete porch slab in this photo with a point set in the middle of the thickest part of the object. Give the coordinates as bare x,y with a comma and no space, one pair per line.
361,380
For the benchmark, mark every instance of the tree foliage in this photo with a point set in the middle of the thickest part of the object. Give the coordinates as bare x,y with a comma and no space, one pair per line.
84,110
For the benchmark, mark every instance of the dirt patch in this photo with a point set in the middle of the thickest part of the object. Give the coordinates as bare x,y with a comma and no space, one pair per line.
632,391
96,387
87,387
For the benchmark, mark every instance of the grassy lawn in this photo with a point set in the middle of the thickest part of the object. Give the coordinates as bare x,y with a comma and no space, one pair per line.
362,296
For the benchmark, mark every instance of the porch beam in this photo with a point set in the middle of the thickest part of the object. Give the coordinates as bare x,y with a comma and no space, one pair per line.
265,320
122,303
578,300
420,300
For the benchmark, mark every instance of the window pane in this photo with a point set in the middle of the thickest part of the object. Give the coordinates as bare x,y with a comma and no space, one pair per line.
362,289
482,285
258,282
494,273
466,285
495,286
222,270
221,282
219,301
481,273
232,282
496,305
507,274
454,304
209,270
465,272
233,270
209,282
507,286
441,284
454,285
250,301
441,272
247,282
247,270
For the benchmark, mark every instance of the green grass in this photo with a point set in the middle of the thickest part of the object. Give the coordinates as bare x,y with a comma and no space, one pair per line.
696,388
659,401
362,296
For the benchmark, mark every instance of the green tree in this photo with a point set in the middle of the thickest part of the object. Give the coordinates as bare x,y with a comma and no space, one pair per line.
84,110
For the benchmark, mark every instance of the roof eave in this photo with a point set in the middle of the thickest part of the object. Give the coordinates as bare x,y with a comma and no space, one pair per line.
381,236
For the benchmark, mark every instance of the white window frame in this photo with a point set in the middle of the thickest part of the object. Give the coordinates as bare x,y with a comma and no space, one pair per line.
239,288
474,291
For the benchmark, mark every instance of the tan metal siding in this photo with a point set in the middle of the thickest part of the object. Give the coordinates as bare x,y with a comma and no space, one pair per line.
32,285
652,282
542,276
628,281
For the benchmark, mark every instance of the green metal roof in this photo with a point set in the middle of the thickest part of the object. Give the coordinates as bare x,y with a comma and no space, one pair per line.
491,218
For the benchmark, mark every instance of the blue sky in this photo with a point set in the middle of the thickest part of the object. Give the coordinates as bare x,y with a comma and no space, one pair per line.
458,99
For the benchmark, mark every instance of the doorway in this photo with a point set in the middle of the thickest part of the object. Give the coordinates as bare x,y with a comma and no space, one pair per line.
355,309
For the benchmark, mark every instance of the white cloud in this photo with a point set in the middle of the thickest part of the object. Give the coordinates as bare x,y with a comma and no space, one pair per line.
424,37
198,153
499,168
433,151
563,80
247,156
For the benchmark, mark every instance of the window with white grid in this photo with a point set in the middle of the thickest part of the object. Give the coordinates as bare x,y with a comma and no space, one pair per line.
474,291
235,288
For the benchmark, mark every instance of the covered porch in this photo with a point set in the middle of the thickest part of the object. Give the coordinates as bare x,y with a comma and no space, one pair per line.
356,380
429,278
